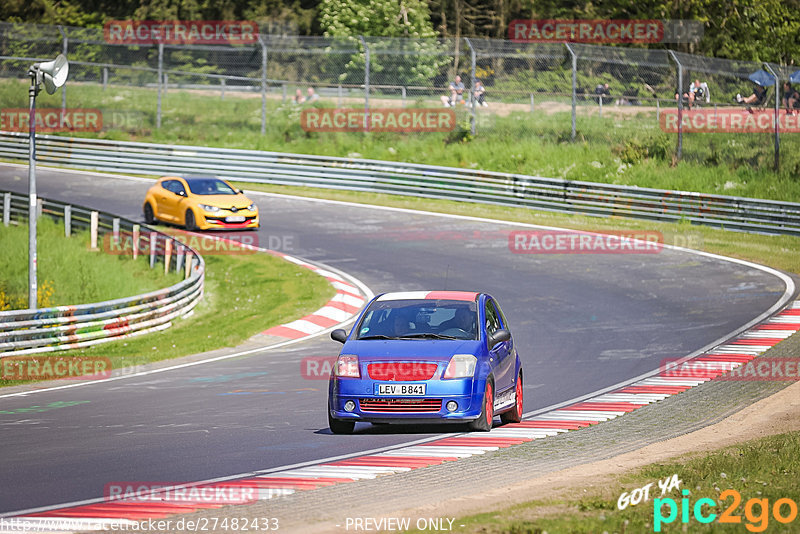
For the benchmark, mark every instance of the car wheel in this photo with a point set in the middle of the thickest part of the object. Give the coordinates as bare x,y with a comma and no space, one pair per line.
149,218
188,221
484,422
340,427
514,415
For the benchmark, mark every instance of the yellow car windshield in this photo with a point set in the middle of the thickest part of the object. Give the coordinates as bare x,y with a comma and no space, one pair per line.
209,186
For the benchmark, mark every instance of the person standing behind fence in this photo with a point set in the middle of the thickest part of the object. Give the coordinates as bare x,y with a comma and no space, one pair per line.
601,91
791,98
456,93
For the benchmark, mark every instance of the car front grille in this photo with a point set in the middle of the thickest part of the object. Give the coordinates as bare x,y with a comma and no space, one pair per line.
400,405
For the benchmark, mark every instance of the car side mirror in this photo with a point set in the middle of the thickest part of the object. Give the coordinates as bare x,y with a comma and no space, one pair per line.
181,193
339,335
498,337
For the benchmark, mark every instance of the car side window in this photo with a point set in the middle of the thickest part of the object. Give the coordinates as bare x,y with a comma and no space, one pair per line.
166,185
178,188
503,321
492,321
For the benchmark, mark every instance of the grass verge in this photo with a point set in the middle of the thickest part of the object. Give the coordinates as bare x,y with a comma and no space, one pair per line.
621,148
244,295
780,252
761,472
68,273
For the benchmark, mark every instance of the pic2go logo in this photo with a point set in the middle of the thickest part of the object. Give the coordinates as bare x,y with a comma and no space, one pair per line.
756,511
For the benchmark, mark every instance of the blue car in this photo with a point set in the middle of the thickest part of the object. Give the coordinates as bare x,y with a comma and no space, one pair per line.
426,357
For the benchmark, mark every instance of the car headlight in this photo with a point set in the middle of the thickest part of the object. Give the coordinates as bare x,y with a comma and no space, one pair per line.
206,207
347,365
252,207
461,366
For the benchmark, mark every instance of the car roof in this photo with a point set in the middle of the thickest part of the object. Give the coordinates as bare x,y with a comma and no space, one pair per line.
468,296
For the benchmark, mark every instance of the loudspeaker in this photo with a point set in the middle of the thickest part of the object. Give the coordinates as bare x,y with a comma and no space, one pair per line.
54,73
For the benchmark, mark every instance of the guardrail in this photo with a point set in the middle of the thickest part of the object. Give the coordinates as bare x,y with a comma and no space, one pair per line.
66,327
550,194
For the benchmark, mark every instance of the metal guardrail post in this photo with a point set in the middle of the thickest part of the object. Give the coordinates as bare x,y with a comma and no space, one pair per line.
135,237
160,74
574,85
6,209
366,82
263,85
67,221
680,103
473,118
115,231
777,116
93,225
153,244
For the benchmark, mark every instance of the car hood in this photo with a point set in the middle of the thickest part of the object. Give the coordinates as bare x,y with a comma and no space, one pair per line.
224,201
373,350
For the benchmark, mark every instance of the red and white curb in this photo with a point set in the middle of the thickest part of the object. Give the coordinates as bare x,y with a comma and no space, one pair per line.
736,352
347,303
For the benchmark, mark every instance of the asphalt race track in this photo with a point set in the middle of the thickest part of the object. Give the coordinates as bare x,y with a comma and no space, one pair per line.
582,322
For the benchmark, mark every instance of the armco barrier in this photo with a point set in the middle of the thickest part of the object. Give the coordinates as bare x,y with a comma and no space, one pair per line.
66,327
552,194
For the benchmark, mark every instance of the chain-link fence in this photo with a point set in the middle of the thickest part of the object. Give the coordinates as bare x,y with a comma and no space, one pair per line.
552,90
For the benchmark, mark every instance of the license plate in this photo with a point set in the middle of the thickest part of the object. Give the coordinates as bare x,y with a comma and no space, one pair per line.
401,390
235,218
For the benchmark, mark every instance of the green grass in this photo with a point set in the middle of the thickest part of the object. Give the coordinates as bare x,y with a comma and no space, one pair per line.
765,468
244,295
781,252
628,149
68,272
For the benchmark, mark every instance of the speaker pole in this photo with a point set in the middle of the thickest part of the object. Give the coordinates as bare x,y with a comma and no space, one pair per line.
32,285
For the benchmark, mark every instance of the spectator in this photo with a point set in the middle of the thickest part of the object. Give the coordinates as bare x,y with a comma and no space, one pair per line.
312,95
791,98
697,91
756,99
456,93
601,91
298,97
479,93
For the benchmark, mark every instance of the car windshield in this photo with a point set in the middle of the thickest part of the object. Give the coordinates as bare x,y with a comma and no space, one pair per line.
419,319
209,186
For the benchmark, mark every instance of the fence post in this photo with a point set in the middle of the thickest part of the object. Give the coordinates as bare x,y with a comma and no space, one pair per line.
105,78
531,102
93,224
658,110
366,81
167,254
600,104
6,209
64,48
339,98
136,229
403,95
263,85
680,103
67,220
473,112
222,88
188,265
574,85
115,231
153,245
160,74
179,254
777,117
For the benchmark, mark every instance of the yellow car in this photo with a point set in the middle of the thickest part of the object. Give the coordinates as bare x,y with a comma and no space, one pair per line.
199,204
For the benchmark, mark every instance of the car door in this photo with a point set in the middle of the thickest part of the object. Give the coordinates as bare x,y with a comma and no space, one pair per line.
171,198
502,353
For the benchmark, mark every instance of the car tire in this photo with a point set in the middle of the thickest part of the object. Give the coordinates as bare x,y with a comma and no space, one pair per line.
484,422
189,222
338,426
514,415
149,217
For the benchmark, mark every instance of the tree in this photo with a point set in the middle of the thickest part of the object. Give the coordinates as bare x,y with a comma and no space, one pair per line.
413,61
